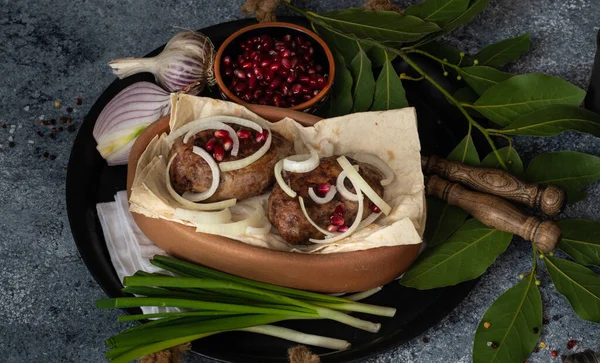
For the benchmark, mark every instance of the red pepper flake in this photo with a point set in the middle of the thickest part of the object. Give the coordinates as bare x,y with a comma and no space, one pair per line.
571,343
554,353
46,154
11,144
69,109
3,126
79,101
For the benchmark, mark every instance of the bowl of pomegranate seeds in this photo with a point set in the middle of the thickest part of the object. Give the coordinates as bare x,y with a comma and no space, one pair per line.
277,64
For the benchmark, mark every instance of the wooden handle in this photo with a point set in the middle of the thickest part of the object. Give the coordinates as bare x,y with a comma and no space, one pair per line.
549,200
496,212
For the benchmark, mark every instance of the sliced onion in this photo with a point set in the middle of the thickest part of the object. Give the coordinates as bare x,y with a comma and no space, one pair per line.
303,166
358,180
385,169
229,119
369,220
264,229
354,225
322,200
286,188
189,204
216,175
242,163
344,192
216,126
234,228
324,231
198,217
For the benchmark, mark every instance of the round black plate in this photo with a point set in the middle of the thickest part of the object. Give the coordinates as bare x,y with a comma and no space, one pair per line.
90,181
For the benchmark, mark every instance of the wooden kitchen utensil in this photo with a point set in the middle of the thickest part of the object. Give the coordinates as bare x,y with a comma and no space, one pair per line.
496,212
550,200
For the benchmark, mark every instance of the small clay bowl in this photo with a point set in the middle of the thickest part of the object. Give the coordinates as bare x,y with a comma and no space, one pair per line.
328,273
322,56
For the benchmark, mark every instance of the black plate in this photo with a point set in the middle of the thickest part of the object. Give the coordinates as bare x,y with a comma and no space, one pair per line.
90,181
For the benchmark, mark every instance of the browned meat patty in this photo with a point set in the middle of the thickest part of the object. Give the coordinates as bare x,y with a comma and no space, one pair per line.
189,172
285,213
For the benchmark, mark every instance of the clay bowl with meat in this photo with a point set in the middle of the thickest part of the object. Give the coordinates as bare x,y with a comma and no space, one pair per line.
328,273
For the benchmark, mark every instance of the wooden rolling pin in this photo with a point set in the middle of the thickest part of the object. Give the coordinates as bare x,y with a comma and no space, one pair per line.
496,212
550,200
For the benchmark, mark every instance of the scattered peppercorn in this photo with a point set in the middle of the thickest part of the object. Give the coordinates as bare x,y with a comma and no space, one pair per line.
69,109
53,122
11,144
554,353
60,129
571,343
71,128
46,154
52,136
52,157
79,101
40,134
535,330
545,321
425,339
556,317
487,324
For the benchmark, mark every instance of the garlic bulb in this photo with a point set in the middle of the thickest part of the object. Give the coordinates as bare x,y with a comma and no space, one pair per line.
186,61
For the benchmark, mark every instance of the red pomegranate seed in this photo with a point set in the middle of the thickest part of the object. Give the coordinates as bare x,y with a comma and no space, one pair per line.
277,100
321,82
301,67
246,65
294,62
239,73
240,59
269,92
210,145
285,88
304,79
251,81
292,100
554,353
218,153
265,63
374,208
268,75
339,209
247,96
221,134
227,143
258,73
343,228
274,66
283,72
286,53
240,87
244,134
312,83
315,92
287,37
275,83
257,94
319,68
291,78
305,46
286,63
311,50
306,58
306,97
323,188
299,39
262,136
305,90
228,72
571,343
336,220
332,228
296,89
227,60
311,70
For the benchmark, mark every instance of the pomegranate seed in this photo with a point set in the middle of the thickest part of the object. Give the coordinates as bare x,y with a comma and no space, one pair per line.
265,63
227,60
269,92
218,153
292,100
243,46
301,67
265,37
374,208
277,100
211,144
305,90
283,72
312,83
286,63
247,96
240,59
306,58
262,136
311,70
227,143
240,87
339,209
285,88
233,83
315,92
262,101
258,73
244,134
554,353
336,220
275,83
286,53
274,66
343,228
318,68
311,50
323,188
221,134
294,62
299,39
251,81
291,78
287,37
304,79
306,97
571,343
268,76
296,89
332,228
246,65
257,94
239,73
305,46
321,82
228,71
272,52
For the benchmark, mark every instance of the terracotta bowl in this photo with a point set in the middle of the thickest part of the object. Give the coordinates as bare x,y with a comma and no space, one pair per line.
329,273
323,55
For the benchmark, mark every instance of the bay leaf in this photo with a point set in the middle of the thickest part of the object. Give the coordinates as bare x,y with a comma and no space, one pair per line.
363,87
515,320
510,157
581,240
480,78
507,50
554,119
440,12
381,26
569,170
464,256
465,152
442,220
579,284
506,101
389,93
340,99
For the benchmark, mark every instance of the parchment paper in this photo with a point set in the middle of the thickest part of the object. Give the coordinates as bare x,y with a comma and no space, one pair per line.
391,135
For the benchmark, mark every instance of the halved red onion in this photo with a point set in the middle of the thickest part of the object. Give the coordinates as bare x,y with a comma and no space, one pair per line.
216,175
379,164
322,200
301,163
286,188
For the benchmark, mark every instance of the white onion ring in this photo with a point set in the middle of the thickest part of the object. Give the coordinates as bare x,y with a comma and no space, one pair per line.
302,166
354,225
357,180
387,172
216,126
242,163
234,228
229,119
216,177
322,200
344,192
189,204
324,231
198,217
286,188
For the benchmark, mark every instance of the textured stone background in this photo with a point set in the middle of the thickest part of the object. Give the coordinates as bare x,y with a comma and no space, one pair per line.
58,50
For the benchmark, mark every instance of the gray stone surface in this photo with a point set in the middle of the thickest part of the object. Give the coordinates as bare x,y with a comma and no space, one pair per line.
58,50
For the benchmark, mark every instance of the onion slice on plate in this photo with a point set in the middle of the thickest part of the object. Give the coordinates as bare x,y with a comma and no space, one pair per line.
198,217
302,166
216,175
324,231
360,183
322,200
385,169
216,126
344,192
286,188
234,228
242,163
189,204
